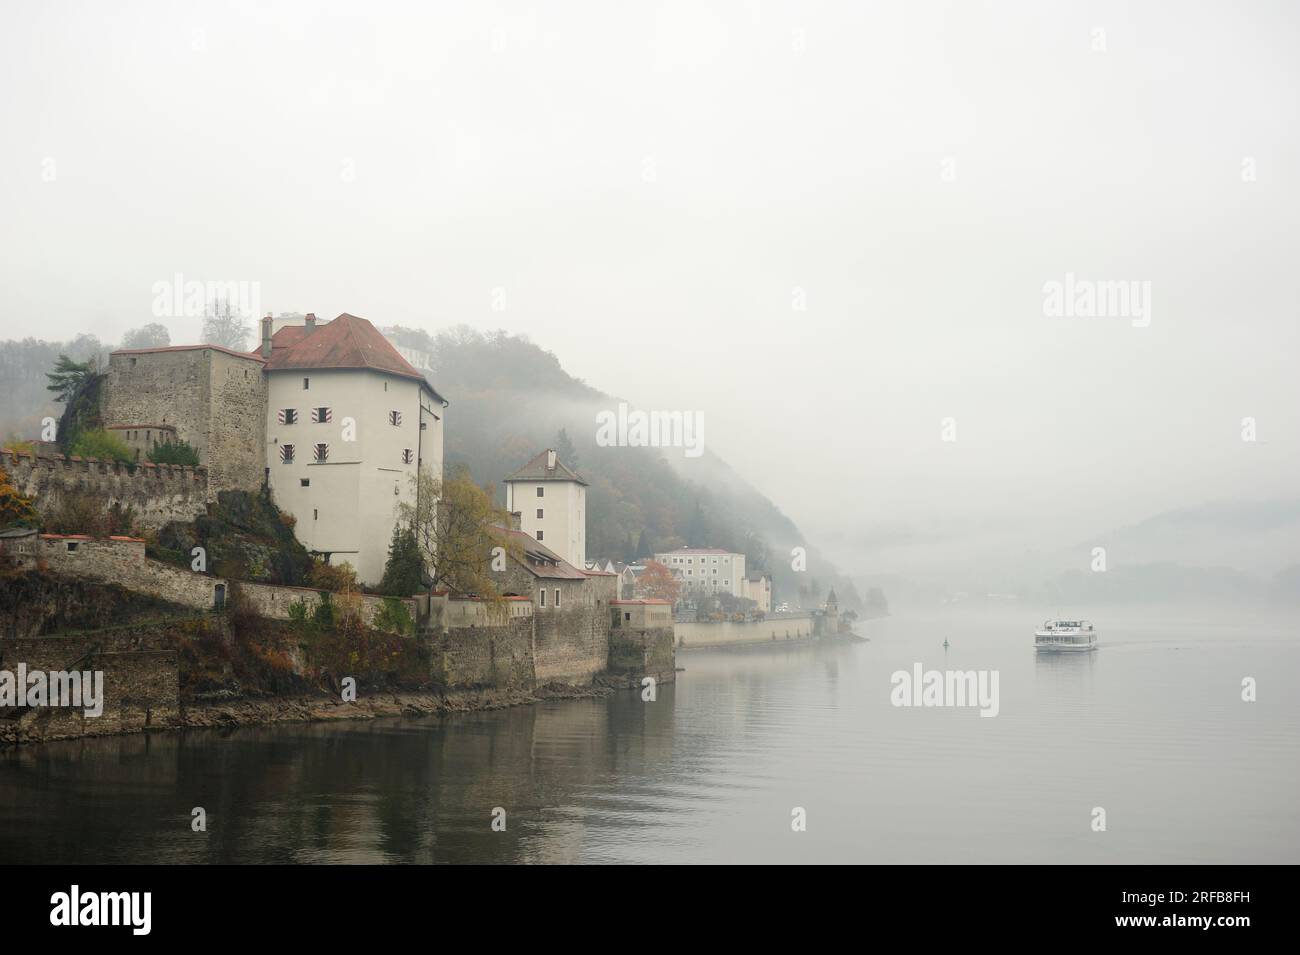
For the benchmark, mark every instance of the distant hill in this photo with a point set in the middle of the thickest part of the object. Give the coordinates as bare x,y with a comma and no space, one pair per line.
1253,536
510,399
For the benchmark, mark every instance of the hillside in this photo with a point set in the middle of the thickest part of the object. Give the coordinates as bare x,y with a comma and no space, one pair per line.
510,399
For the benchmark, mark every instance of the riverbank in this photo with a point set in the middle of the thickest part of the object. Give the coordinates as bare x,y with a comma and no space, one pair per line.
312,708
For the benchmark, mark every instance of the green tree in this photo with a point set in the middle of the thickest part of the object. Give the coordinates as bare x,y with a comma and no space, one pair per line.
404,571
455,522
174,452
100,444
565,450
69,376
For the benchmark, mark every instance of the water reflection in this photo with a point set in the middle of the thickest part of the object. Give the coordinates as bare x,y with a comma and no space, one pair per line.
1151,725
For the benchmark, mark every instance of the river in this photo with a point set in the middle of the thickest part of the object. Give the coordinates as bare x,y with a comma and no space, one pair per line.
1151,728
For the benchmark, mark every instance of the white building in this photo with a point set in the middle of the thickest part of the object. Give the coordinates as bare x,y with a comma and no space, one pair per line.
551,501
348,423
707,569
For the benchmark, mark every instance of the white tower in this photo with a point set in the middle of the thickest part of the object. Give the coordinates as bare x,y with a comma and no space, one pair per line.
551,501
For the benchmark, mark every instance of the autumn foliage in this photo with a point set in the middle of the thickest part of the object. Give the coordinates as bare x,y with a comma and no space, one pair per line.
658,583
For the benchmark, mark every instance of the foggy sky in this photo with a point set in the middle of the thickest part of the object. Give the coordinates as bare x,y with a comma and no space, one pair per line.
650,183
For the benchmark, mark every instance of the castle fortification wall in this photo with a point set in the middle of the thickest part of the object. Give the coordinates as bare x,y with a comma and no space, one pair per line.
158,493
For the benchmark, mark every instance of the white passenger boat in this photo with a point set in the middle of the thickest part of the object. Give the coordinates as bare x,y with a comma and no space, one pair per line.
1066,636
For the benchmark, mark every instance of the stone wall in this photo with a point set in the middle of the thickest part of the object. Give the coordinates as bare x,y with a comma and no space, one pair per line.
237,430
635,654
213,397
158,493
772,630
141,683
122,560
572,641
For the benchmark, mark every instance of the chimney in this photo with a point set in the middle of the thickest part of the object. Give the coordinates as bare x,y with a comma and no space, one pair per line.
311,322
550,460
516,520
266,336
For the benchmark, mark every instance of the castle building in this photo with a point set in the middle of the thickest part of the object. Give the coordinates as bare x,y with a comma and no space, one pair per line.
551,501
328,416
210,397
349,424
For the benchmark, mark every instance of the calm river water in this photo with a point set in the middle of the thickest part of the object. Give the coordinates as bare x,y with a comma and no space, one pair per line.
1151,727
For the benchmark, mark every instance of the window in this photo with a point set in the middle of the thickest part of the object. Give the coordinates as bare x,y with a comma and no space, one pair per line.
72,547
627,615
304,482
539,513
315,514
306,383
288,416
539,536
557,598
322,453
408,456
541,492
395,418
322,415
286,454
542,595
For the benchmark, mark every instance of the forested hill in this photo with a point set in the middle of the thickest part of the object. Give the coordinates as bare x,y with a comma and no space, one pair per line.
509,400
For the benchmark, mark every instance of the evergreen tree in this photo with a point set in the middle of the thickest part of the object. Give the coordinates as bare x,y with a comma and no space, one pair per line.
565,450
404,572
68,377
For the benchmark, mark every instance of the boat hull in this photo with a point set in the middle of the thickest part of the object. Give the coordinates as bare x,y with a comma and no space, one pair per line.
1063,648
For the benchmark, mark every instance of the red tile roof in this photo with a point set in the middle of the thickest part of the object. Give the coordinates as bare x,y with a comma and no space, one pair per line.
221,348
346,342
